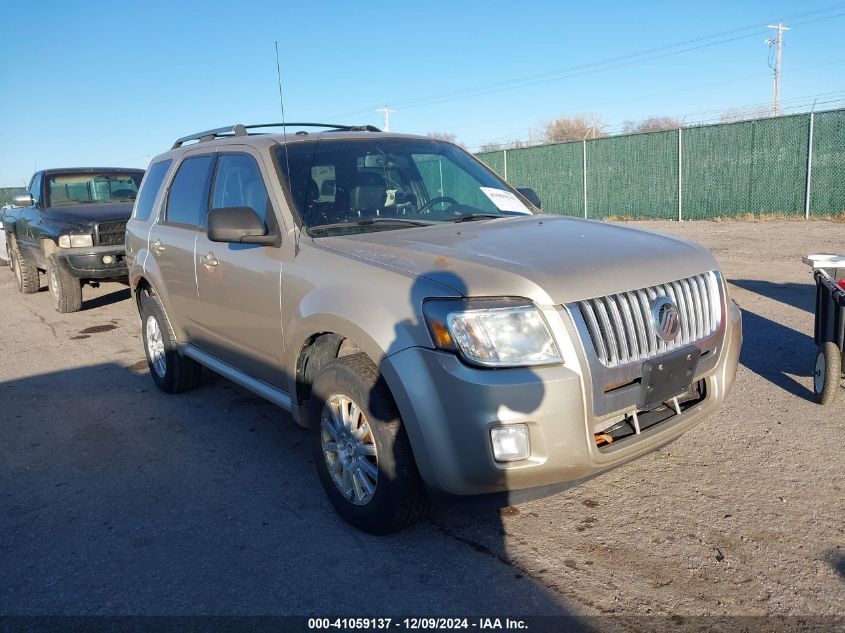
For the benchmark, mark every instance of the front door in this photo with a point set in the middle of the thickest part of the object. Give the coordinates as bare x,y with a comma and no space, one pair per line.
239,285
173,240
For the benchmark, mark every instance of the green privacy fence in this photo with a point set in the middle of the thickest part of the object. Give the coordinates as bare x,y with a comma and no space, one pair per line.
764,166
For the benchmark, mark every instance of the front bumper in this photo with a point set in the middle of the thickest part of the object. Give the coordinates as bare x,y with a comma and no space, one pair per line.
448,409
87,263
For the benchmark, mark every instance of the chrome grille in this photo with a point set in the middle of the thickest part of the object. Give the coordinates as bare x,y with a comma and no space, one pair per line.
111,233
621,325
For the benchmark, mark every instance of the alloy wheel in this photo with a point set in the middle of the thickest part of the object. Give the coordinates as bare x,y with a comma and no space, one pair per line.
349,449
155,346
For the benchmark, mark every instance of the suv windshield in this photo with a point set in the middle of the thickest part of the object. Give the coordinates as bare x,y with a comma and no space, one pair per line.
342,186
91,188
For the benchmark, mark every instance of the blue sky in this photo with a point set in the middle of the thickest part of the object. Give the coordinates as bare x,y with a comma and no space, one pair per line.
90,83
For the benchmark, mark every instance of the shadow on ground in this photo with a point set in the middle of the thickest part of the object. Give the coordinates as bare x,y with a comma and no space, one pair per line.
801,296
105,300
118,499
776,352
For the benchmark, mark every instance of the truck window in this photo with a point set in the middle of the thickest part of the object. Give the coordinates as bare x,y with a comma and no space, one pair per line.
68,189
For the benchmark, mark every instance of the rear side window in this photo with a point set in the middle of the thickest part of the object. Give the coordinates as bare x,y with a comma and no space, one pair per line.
149,189
238,183
187,202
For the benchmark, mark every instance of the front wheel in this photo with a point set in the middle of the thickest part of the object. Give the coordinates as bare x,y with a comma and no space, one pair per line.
361,450
65,289
171,371
828,373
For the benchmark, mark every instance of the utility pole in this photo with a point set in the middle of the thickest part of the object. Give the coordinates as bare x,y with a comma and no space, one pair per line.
386,112
530,140
780,28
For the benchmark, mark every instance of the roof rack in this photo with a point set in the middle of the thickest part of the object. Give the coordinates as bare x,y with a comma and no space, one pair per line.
243,130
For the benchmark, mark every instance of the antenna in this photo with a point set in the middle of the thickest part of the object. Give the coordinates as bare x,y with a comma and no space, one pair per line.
284,127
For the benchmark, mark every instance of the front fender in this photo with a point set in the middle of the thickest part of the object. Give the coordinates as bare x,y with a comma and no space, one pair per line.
379,323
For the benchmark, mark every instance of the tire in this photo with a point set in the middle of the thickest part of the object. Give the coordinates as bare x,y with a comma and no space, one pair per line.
828,373
65,289
392,498
26,273
171,372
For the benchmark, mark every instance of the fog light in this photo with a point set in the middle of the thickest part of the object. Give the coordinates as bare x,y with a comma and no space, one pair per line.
108,259
510,443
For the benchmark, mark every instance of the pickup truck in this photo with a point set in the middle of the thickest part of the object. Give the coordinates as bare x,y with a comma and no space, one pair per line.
71,225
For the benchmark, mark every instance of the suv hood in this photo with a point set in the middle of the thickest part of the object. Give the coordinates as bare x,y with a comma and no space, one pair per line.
548,259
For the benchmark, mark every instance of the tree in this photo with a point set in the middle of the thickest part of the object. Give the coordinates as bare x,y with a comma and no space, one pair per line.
574,128
443,136
651,124
490,147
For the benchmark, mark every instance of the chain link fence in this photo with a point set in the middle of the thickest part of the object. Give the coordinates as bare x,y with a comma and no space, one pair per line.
827,176
761,167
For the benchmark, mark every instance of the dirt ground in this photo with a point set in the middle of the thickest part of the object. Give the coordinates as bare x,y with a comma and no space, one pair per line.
118,499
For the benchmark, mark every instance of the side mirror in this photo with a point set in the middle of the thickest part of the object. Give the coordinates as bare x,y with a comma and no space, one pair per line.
237,224
530,195
23,200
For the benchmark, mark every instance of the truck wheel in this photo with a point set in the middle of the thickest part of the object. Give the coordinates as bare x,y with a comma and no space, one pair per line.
361,449
171,371
828,374
65,289
26,274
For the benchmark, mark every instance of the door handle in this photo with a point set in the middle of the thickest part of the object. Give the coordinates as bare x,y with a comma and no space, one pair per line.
157,247
209,260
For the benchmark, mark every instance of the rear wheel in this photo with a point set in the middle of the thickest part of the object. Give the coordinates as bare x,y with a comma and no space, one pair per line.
361,449
828,374
65,289
171,371
26,273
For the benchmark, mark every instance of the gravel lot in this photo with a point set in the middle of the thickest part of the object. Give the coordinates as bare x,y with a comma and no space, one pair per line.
118,499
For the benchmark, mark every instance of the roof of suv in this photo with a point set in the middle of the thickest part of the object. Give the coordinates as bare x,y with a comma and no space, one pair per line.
240,134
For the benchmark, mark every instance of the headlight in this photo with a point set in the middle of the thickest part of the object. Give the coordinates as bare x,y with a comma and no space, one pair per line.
492,332
75,241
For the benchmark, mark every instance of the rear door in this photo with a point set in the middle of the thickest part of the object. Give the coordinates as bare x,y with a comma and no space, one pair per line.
173,237
240,284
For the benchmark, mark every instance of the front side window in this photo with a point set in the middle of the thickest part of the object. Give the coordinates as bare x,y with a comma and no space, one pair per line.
187,202
92,188
340,186
35,188
149,189
238,183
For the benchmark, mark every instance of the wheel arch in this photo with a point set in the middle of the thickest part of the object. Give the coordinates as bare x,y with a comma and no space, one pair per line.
317,349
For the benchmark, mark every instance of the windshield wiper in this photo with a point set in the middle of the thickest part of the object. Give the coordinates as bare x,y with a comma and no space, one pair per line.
369,222
366,221
469,217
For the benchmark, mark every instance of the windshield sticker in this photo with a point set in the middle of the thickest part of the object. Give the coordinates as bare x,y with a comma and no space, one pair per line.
504,200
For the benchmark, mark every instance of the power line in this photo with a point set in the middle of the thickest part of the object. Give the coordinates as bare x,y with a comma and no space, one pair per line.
718,112
601,65
778,43
386,112
705,117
